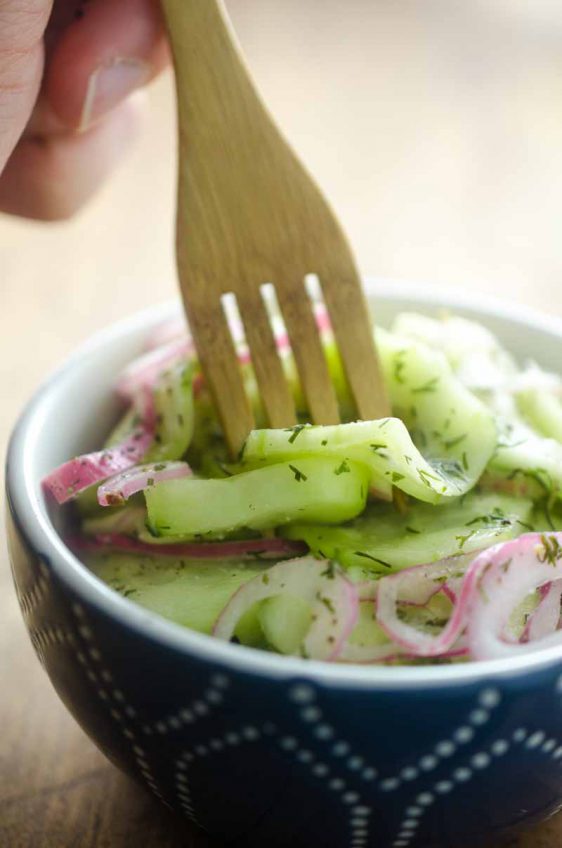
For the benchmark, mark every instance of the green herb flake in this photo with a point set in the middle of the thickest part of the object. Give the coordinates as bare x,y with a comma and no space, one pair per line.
343,468
552,550
298,474
430,386
295,432
451,443
365,555
399,366
327,603
462,540
330,570
425,477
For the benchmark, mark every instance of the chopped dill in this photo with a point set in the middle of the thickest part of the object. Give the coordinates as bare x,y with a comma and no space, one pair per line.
343,468
295,432
365,555
430,386
451,443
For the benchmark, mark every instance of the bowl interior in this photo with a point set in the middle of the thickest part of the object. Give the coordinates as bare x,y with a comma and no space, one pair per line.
76,405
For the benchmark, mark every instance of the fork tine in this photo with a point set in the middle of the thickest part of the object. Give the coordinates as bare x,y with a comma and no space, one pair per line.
349,317
221,368
274,389
312,367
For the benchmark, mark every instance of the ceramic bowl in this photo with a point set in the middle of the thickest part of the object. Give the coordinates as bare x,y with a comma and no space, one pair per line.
264,750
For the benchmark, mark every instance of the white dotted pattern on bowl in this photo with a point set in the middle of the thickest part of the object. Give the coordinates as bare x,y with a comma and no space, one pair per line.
339,752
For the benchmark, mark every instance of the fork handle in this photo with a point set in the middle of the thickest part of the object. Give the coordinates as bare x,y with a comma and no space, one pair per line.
216,100
208,65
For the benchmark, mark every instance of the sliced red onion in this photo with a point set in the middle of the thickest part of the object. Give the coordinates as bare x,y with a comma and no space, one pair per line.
143,372
171,330
238,549
452,587
422,600
356,652
415,584
72,477
390,652
121,487
546,617
508,573
367,590
66,481
333,600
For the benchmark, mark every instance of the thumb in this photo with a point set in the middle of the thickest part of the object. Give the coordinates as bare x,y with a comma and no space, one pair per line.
22,24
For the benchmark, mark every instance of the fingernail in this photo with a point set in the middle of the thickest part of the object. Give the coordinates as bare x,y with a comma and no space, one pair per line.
109,85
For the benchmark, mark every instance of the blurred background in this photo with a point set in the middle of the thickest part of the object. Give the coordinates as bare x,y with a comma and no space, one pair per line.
434,126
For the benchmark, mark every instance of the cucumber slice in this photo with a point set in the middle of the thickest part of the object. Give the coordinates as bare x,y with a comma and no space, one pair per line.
367,632
520,615
384,540
311,489
531,467
249,630
86,503
189,592
173,401
543,411
432,617
474,353
452,428
458,436
528,457
284,621
384,447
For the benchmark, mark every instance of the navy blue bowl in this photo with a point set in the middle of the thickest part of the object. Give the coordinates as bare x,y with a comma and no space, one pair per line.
263,750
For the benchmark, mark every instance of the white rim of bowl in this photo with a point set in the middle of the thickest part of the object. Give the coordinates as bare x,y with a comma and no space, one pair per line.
30,514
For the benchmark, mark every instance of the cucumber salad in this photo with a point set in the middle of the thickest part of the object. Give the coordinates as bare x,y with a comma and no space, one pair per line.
432,536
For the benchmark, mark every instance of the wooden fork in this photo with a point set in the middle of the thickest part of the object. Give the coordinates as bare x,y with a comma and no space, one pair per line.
248,214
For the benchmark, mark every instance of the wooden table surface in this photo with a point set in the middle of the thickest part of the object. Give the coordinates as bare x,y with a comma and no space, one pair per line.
436,131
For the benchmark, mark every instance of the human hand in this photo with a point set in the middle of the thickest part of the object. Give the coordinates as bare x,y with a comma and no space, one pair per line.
66,69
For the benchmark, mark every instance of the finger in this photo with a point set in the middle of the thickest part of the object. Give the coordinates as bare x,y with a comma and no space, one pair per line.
50,177
21,66
101,57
